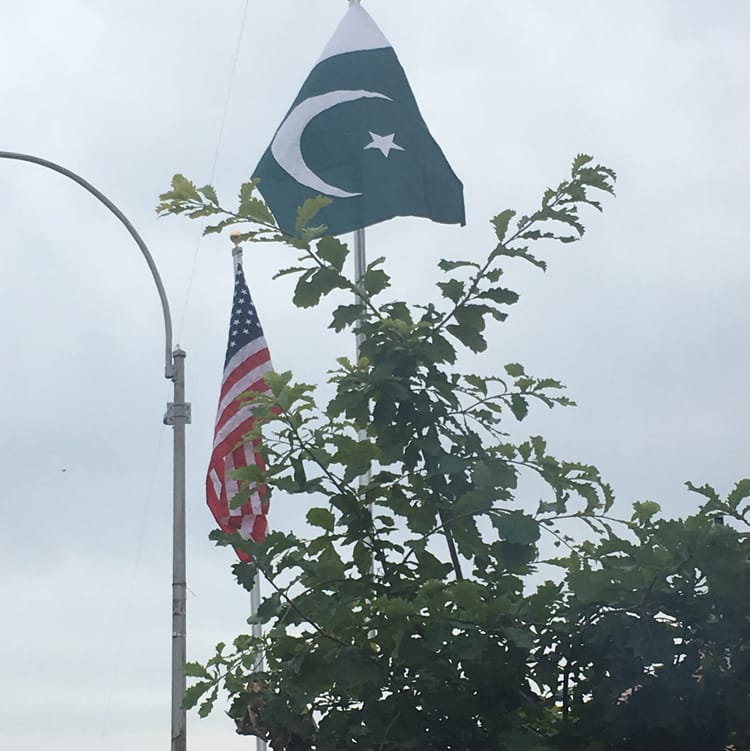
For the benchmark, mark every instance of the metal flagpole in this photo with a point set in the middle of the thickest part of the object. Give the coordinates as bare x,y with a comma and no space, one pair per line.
257,629
360,266
178,415
257,632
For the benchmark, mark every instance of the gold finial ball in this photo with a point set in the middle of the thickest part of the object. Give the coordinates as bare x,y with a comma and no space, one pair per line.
236,237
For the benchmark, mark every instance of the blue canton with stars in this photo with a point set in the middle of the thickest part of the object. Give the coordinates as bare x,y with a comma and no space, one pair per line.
244,326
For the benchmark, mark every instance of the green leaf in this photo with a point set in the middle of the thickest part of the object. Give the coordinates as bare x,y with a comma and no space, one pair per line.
184,189
355,456
517,528
270,607
210,193
314,284
220,226
196,670
706,491
519,406
453,465
477,382
277,382
739,493
288,271
472,504
245,572
375,281
579,162
330,566
466,594
468,337
309,210
469,326
194,693
540,446
453,265
346,315
482,476
644,511
499,295
453,289
333,251
252,208
501,222
321,517
362,558
300,476
442,350
398,311
431,566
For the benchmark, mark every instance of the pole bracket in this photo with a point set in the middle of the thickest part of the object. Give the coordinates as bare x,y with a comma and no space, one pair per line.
178,414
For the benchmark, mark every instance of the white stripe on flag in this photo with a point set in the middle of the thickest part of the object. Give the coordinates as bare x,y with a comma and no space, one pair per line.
244,384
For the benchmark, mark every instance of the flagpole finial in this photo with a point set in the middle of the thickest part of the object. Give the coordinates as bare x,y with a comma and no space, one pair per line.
236,238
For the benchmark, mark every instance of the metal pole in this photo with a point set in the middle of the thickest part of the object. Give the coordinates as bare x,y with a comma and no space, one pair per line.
360,266
128,226
178,415
236,251
257,629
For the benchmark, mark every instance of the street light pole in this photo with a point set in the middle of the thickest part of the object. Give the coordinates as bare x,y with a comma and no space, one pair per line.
178,416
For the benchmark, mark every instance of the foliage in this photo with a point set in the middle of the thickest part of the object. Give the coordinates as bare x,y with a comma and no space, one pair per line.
414,617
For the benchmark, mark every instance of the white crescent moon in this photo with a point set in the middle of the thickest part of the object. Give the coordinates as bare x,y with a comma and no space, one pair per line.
286,146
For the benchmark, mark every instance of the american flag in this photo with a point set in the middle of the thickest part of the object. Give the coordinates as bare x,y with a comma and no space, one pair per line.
247,361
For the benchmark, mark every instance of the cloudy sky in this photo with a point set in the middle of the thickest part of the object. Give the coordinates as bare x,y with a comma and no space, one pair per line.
646,321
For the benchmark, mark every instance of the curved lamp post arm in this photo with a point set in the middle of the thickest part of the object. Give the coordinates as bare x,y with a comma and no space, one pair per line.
178,416
168,361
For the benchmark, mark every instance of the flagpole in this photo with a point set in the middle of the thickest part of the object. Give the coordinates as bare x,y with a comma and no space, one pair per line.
257,629
360,266
177,415
257,632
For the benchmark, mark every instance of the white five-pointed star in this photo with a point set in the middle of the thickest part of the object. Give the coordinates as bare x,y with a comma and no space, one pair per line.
384,143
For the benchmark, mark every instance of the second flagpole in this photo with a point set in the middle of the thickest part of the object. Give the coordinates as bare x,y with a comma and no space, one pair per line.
360,266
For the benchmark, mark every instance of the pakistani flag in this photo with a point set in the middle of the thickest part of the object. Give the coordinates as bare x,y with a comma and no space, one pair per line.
355,134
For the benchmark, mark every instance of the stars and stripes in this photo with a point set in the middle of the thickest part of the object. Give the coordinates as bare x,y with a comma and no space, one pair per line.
247,361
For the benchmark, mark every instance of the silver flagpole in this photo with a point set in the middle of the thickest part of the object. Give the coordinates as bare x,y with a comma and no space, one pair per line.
178,415
360,266
257,629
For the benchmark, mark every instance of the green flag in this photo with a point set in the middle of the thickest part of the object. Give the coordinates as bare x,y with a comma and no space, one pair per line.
355,134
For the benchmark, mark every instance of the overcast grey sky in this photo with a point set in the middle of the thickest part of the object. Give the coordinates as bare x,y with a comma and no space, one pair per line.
646,321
